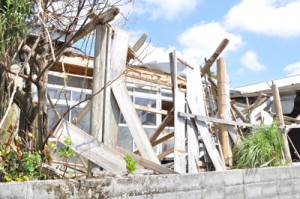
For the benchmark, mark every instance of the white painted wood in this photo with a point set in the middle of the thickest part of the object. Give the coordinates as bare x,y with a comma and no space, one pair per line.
133,121
179,123
90,148
192,132
197,106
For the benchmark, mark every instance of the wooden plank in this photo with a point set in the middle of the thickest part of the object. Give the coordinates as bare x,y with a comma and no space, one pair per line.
165,153
115,67
133,121
215,120
146,163
197,106
192,89
179,123
139,43
150,109
90,148
163,138
162,126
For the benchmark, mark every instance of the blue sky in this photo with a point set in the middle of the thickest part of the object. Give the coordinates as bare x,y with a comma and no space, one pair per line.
264,34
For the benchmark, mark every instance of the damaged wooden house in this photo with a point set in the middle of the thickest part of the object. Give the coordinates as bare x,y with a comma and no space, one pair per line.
170,117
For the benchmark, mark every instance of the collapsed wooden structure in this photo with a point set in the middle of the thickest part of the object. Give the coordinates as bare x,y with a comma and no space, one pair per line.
205,123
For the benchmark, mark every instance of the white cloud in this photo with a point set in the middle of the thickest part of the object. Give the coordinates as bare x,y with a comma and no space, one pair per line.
166,9
202,40
269,17
293,69
251,62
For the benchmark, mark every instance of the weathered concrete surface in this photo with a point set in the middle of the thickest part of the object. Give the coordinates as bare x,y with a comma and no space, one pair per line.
279,182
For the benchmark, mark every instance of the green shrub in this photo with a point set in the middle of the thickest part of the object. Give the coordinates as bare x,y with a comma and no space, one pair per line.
130,163
262,147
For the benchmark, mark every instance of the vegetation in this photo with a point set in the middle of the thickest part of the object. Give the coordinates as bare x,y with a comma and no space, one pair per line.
17,165
130,163
261,147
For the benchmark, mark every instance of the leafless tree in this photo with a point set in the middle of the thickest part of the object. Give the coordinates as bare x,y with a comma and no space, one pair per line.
35,43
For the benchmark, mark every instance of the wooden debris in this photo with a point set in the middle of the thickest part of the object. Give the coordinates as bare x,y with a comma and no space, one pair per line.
88,146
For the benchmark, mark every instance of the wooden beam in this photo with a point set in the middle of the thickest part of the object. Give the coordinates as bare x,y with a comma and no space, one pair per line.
215,120
133,121
162,126
279,115
90,148
102,18
163,138
215,55
146,163
165,153
139,43
150,109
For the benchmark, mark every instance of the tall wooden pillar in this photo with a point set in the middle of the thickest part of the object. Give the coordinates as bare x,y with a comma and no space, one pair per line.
223,105
279,115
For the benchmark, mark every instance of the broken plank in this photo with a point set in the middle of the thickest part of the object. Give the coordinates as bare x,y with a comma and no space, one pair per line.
133,121
77,118
90,148
215,120
146,163
235,137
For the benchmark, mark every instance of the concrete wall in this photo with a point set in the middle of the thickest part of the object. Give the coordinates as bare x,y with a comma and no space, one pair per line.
280,182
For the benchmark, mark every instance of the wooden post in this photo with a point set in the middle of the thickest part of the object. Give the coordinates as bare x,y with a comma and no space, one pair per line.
179,123
279,115
98,83
96,124
223,105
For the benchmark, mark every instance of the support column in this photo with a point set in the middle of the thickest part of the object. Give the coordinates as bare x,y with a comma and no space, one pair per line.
279,115
223,105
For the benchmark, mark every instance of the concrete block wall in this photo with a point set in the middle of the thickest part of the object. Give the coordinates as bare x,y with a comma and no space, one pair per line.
277,182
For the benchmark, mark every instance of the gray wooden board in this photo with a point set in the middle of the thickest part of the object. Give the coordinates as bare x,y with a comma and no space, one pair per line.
197,106
88,146
146,163
179,123
133,121
192,133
